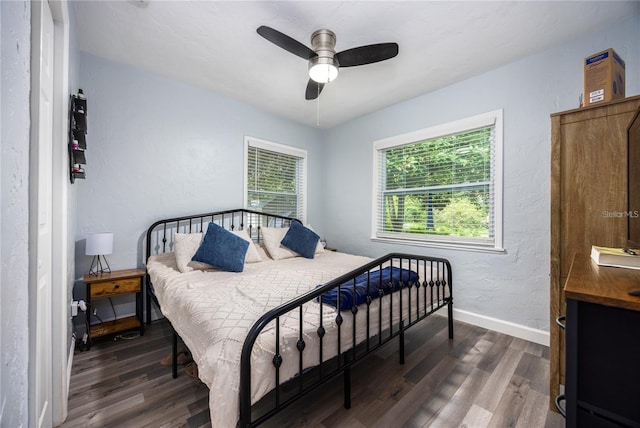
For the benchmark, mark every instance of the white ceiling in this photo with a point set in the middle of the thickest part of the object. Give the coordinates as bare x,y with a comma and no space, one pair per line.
214,44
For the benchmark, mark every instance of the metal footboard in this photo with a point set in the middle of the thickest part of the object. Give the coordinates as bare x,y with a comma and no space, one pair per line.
408,303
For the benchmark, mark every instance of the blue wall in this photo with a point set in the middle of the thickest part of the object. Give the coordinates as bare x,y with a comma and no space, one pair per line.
158,148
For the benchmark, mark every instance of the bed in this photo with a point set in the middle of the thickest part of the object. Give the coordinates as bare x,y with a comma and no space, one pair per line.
268,335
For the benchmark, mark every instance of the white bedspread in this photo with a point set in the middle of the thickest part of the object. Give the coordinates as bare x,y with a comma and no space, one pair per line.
212,311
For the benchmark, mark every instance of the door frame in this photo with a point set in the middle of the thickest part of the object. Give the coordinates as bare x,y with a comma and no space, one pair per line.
61,275
40,215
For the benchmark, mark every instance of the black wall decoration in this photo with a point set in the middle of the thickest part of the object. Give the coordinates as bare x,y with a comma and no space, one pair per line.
77,135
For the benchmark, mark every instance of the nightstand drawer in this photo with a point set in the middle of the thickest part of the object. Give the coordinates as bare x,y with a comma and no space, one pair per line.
112,288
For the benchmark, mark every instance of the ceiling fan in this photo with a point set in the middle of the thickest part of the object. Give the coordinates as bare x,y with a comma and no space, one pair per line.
323,59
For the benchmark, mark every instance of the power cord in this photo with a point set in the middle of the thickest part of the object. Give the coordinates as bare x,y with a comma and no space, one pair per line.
115,316
127,336
94,312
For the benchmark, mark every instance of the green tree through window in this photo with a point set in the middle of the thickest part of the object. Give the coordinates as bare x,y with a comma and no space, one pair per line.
442,186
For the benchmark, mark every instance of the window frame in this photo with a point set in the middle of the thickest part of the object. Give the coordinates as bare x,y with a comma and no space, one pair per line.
493,118
285,150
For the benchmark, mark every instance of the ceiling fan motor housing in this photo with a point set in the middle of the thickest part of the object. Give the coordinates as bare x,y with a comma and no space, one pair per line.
323,43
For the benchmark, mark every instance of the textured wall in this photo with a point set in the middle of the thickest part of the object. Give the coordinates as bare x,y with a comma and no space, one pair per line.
14,177
157,148
511,286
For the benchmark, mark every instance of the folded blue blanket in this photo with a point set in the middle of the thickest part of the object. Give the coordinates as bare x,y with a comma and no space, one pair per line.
388,278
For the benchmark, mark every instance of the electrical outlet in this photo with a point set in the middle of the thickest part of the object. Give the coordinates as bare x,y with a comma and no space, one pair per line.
85,337
74,308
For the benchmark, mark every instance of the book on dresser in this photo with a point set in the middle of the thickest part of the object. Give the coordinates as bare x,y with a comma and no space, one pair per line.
616,257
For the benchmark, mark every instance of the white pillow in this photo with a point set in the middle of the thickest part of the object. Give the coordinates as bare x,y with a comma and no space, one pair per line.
271,237
185,246
263,252
319,247
252,255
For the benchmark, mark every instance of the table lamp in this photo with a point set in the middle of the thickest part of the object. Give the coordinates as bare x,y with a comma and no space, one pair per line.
99,245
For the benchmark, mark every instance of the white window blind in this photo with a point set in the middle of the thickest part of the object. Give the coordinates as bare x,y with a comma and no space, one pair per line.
442,185
275,178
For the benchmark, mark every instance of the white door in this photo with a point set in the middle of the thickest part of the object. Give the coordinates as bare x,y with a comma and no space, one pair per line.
40,181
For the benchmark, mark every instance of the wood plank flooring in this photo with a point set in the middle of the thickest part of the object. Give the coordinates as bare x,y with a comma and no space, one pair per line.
479,379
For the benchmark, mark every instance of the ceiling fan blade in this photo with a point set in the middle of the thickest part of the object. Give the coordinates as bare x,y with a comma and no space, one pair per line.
285,42
313,90
367,54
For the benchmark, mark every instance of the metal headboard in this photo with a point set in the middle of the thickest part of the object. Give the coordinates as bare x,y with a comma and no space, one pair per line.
160,234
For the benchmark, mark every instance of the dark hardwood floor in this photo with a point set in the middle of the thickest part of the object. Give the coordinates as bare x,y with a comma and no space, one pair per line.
479,379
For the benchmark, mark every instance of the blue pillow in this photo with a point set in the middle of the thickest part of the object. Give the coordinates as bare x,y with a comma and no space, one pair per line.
301,240
222,249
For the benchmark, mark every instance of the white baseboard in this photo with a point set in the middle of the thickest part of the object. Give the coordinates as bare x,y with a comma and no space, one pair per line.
540,337
70,363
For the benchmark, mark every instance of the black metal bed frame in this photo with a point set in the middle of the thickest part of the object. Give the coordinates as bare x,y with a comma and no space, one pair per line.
421,299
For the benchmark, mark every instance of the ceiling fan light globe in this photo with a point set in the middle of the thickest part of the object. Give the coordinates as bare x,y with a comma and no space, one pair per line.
323,69
323,73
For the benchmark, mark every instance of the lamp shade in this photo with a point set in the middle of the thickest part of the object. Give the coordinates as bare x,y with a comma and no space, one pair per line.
99,244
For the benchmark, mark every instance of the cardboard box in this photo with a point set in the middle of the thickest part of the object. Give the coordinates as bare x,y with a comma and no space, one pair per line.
603,77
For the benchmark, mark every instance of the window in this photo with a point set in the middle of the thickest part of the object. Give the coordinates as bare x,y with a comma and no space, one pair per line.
275,178
441,185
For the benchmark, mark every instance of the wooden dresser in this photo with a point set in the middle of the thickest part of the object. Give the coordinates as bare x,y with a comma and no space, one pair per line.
603,346
588,180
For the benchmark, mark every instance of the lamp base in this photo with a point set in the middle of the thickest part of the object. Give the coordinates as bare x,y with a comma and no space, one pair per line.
97,267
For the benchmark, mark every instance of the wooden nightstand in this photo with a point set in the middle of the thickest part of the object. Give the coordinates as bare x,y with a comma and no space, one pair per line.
114,284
